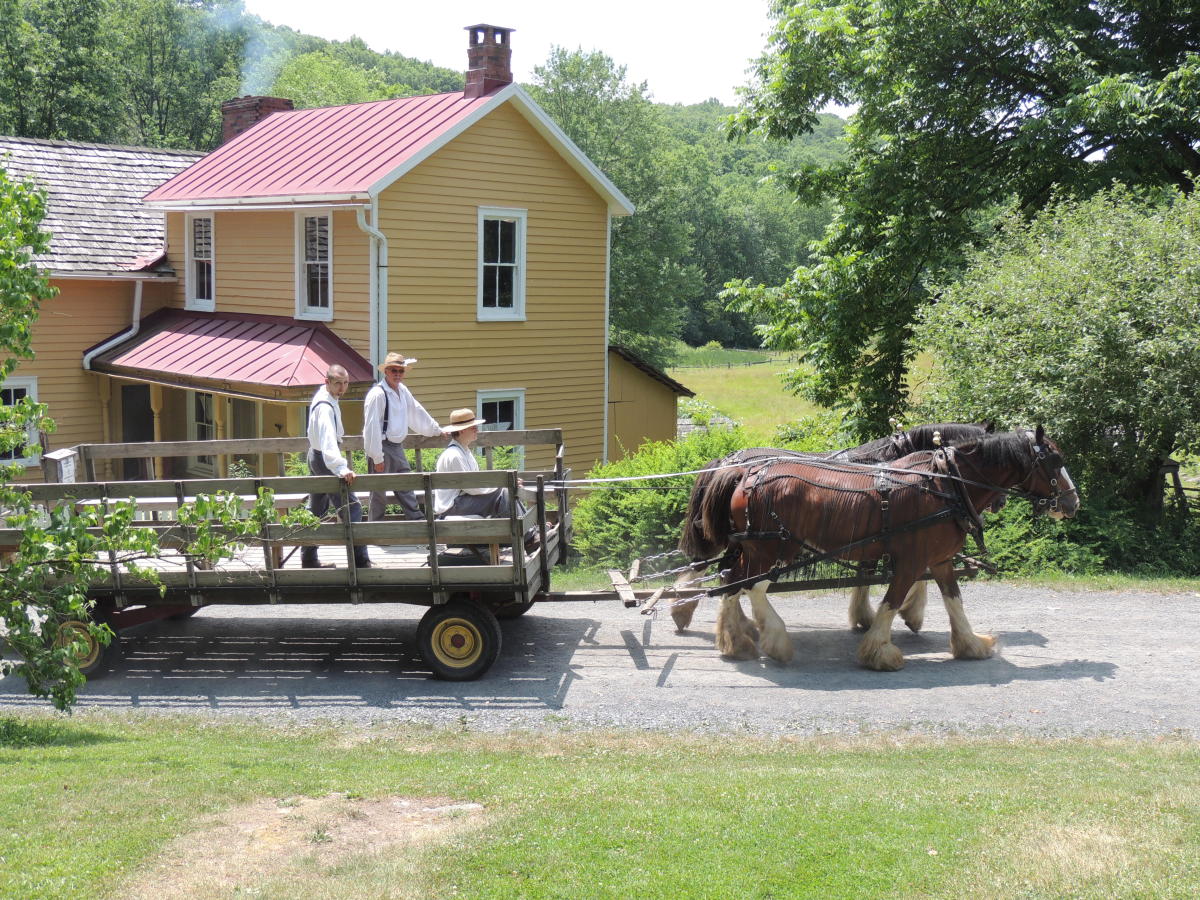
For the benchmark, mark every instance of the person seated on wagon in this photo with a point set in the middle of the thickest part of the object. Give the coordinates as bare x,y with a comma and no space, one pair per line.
463,429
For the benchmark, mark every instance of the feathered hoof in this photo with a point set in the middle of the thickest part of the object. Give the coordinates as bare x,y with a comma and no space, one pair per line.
738,646
913,621
682,614
976,646
880,657
779,647
862,623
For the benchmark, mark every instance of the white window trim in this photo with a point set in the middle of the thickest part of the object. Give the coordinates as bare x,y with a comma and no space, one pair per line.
29,383
189,300
194,465
303,311
517,395
517,313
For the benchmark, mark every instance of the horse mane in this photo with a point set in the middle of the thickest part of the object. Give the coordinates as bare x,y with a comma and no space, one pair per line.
1011,448
951,432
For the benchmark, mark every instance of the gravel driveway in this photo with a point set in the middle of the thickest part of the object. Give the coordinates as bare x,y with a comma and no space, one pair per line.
1070,663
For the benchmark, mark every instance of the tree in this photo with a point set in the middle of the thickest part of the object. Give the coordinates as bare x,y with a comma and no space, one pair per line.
56,69
321,79
959,107
620,130
180,60
1087,319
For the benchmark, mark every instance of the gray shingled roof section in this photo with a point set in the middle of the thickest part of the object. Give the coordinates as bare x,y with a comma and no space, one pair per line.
95,215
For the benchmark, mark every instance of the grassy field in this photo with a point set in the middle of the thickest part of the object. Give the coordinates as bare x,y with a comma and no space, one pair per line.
117,806
751,395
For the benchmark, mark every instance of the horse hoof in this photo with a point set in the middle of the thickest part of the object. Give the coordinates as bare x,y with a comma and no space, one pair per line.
779,649
682,615
741,649
914,624
977,646
881,658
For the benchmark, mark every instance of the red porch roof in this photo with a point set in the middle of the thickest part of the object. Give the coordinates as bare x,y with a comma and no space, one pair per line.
333,151
269,357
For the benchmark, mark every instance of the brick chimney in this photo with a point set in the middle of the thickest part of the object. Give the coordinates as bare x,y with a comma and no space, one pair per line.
488,60
242,113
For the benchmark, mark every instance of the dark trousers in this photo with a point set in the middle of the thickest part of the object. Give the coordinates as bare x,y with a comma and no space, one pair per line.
493,505
395,460
318,505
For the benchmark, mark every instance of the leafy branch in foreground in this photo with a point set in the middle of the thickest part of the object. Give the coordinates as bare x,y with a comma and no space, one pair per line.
65,549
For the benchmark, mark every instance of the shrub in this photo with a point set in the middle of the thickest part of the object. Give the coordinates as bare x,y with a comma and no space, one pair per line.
617,523
1106,536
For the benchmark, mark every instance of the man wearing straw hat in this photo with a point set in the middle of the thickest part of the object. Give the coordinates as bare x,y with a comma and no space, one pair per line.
457,457
389,412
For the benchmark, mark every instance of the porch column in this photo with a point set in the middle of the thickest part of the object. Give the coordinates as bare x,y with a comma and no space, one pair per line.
104,390
156,407
220,417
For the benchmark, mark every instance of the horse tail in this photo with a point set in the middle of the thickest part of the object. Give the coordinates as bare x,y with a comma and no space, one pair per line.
691,540
717,500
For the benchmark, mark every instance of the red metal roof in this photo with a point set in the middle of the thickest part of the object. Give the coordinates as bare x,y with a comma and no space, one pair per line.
268,356
334,150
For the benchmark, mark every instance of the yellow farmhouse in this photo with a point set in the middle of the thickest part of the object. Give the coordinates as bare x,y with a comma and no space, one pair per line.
203,296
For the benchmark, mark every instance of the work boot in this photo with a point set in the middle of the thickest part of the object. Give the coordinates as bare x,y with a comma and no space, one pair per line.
309,560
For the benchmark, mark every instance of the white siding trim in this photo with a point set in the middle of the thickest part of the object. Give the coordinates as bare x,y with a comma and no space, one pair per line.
618,203
604,349
517,395
189,273
304,312
29,383
517,313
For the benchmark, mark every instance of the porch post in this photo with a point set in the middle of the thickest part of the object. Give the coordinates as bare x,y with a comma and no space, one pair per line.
220,417
104,389
156,407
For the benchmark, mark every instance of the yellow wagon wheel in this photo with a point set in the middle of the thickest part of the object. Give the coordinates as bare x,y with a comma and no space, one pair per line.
459,640
91,655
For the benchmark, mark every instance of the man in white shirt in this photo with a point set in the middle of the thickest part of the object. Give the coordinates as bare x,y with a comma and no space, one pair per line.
390,411
457,457
325,458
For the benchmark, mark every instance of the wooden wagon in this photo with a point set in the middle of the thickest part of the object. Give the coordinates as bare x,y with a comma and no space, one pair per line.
468,572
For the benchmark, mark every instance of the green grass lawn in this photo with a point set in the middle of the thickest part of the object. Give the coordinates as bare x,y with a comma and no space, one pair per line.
751,395
91,806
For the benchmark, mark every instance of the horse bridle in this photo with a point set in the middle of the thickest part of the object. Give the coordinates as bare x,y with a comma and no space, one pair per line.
1049,462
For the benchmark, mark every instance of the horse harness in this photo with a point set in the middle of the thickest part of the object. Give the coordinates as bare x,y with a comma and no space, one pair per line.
957,506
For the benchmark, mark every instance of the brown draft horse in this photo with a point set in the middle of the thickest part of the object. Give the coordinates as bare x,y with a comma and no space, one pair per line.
916,510
885,449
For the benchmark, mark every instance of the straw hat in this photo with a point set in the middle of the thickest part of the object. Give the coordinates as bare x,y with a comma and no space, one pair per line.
397,359
461,419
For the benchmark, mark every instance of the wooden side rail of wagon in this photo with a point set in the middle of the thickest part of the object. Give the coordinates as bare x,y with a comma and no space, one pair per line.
459,635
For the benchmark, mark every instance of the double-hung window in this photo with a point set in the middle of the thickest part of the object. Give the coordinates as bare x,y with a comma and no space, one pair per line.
501,266
504,410
198,281
12,392
314,266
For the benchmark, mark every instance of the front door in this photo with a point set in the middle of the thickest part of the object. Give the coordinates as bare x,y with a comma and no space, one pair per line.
137,427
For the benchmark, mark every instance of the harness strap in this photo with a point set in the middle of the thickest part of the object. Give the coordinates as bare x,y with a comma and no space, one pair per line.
945,463
773,574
